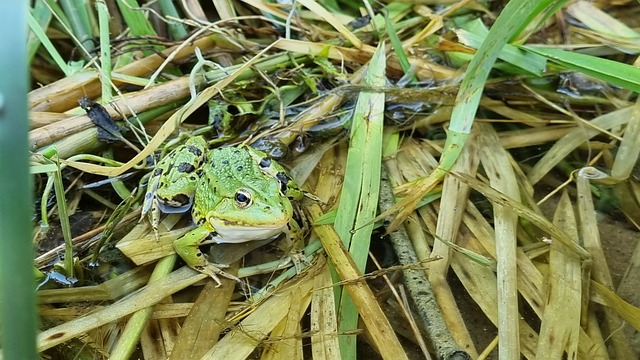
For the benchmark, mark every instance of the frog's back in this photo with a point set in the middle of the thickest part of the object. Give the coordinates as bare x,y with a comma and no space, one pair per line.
230,164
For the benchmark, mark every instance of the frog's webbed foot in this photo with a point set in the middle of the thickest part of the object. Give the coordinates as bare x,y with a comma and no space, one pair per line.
188,249
213,270
298,259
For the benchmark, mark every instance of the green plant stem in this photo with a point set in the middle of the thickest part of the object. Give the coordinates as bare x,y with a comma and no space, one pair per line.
17,296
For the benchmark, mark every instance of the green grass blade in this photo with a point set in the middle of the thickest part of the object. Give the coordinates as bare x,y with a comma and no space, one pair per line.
42,15
473,34
17,295
177,30
135,19
39,32
79,21
397,47
359,197
105,49
624,75
63,216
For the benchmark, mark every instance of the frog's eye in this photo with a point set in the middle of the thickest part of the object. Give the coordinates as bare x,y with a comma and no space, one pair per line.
242,198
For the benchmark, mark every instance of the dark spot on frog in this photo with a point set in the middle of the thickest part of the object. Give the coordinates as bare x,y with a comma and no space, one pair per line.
264,163
267,208
199,172
192,178
284,180
239,168
148,195
195,150
157,172
236,151
186,167
282,177
225,162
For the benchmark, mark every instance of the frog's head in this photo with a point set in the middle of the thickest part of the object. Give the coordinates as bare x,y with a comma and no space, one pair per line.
240,202
250,214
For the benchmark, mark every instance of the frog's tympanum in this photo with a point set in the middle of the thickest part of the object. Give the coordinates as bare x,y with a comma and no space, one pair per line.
236,194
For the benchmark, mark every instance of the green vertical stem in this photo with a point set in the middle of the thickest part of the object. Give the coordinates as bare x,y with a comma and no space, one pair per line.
105,49
64,220
17,298
79,23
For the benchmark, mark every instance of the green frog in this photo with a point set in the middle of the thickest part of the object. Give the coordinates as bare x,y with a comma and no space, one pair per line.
236,194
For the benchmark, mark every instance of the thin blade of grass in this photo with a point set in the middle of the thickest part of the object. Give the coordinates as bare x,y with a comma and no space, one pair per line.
39,32
359,198
105,50
398,49
614,72
629,313
473,34
629,150
63,217
331,19
596,19
288,330
40,12
454,198
600,271
134,16
560,326
497,164
324,319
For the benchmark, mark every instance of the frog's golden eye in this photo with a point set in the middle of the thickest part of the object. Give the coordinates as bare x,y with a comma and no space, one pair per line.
242,198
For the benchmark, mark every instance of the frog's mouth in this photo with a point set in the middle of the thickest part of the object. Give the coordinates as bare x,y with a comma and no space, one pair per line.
238,233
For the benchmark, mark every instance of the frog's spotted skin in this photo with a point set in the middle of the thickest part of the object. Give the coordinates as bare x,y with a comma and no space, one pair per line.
238,195
275,170
172,184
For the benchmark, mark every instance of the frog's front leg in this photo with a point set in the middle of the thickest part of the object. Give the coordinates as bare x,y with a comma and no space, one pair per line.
188,247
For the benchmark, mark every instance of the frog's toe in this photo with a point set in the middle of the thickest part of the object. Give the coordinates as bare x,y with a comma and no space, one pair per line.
299,261
213,270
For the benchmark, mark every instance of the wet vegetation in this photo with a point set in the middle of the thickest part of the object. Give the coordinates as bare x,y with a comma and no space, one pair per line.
469,168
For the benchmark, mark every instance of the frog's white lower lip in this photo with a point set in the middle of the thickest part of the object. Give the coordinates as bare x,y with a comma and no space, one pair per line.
227,233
